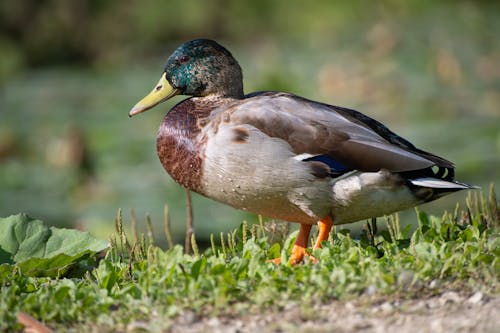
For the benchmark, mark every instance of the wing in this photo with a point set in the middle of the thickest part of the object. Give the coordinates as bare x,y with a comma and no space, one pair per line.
345,136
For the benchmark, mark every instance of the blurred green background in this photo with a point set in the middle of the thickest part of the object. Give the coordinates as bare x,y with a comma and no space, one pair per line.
71,70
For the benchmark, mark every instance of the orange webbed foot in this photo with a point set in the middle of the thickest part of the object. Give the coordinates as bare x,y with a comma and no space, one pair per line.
299,248
275,261
297,256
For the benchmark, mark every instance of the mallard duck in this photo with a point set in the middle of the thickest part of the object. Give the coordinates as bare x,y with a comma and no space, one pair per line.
284,156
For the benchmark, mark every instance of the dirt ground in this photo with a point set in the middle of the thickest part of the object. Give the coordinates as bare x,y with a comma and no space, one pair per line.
449,312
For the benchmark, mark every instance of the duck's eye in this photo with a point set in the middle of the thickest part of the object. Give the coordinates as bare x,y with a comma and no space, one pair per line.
185,58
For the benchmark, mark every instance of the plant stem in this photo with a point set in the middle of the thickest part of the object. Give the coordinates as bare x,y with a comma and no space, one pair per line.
189,222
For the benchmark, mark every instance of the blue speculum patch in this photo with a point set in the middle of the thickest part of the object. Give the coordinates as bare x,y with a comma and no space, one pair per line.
336,168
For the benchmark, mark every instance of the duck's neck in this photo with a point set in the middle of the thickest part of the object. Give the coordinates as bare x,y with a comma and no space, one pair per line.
178,141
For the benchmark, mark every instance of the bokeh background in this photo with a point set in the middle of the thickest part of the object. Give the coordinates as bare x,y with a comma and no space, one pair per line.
71,70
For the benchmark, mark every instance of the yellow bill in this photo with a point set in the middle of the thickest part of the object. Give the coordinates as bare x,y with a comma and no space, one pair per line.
160,93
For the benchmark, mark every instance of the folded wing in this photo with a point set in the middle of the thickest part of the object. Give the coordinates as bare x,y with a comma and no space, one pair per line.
345,136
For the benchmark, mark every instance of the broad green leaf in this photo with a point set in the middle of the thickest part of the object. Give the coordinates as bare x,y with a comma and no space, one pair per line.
274,251
198,267
42,251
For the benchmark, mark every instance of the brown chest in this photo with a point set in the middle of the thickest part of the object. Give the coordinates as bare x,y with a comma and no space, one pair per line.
179,145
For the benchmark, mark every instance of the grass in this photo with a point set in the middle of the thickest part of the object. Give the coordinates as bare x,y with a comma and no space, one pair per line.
138,282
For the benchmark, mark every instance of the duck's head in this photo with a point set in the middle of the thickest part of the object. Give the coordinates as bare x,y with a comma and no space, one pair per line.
197,68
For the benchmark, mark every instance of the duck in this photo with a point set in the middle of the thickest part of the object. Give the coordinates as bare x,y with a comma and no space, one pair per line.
284,156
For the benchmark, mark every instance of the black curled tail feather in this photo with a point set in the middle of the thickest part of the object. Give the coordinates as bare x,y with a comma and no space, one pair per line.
437,172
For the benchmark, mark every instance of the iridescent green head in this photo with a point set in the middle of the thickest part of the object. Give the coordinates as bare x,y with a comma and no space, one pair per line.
202,67
197,68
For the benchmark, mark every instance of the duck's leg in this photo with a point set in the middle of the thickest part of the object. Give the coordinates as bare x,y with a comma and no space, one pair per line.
299,248
324,226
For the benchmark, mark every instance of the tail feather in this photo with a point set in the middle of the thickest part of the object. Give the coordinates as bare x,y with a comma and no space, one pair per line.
440,184
429,188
